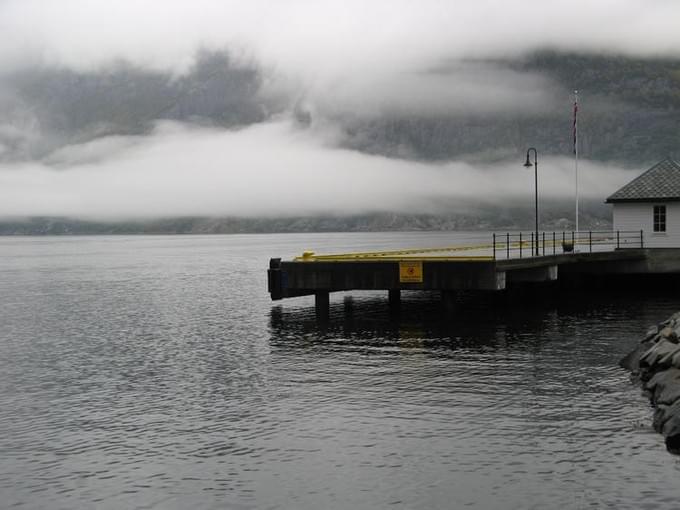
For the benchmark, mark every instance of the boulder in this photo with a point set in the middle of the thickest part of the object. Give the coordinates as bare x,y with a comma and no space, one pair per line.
671,421
659,417
667,360
651,333
651,358
663,415
673,444
664,387
632,360
655,338
670,394
656,363
668,333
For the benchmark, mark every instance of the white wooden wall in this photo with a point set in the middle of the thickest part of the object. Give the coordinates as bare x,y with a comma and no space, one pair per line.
637,215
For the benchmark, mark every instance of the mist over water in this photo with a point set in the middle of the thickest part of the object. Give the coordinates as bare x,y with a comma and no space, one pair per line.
309,108
146,372
270,170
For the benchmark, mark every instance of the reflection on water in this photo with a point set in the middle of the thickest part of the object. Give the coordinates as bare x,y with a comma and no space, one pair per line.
483,320
421,319
155,373
516,407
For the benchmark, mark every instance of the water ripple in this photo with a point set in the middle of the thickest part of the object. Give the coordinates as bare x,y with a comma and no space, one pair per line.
153,372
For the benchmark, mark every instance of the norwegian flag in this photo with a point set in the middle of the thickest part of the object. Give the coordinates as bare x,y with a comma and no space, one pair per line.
575,123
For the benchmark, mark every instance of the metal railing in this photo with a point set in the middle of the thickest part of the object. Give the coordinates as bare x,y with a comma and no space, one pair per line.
524,244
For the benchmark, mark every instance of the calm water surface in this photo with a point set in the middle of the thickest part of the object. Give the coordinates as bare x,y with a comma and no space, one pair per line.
154,372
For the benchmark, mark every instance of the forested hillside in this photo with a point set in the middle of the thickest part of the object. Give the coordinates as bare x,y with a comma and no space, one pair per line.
630,110
629,113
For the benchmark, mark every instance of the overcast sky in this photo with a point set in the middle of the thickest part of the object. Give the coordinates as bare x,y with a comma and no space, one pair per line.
348,55
314,37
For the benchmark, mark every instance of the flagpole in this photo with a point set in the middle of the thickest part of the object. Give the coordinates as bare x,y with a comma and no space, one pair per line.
576,152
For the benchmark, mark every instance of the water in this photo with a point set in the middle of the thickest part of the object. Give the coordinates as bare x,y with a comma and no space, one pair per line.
154,372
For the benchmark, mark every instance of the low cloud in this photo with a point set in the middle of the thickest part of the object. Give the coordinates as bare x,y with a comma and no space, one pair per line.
480,88
314,37
270,169
344,63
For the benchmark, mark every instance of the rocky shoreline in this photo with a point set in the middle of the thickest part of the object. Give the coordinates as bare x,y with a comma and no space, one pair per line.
655,364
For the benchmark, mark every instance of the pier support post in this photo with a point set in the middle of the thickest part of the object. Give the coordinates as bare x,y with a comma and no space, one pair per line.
322,304
394,298
348,304
449,301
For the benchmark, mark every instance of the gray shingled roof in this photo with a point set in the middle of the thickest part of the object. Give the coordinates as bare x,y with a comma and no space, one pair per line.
661,182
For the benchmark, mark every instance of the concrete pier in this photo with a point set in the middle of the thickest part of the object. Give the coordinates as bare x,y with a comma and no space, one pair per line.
394,272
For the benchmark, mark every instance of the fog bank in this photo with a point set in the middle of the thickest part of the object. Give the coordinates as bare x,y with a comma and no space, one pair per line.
270,169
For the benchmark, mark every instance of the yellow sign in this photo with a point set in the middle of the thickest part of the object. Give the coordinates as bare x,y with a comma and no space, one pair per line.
411,271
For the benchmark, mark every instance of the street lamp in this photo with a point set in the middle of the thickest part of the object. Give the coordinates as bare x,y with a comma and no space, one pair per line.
527,164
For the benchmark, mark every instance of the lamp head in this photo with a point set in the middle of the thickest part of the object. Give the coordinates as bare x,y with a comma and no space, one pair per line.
528,163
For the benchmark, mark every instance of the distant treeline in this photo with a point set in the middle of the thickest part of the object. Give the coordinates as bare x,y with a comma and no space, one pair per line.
594,216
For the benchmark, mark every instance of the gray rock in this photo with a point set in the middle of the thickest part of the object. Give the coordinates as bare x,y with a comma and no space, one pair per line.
670,394
659,417
669,334
632,360
650,358
673,444
667,360
661,377
671,420
651,333
664,385
656,363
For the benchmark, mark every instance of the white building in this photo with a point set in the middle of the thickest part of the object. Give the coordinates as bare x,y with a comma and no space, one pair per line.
651,203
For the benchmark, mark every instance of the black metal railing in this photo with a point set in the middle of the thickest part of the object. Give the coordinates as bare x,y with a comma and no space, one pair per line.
522,244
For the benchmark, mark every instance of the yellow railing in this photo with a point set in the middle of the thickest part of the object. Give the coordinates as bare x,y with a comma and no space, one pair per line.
309,256
504,246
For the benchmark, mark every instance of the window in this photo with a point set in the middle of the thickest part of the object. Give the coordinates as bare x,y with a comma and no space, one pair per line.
659,218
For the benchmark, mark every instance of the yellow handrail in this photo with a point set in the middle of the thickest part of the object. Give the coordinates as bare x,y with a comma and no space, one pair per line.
416,253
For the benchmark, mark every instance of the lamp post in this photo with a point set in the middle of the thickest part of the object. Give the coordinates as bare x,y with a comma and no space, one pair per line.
527,164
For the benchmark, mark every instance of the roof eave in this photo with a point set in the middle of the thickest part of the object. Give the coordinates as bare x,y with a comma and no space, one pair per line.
611,200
